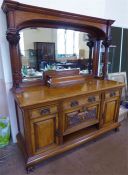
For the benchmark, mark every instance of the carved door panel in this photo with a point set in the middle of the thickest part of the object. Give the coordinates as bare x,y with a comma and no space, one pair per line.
44,133
81,118
110,112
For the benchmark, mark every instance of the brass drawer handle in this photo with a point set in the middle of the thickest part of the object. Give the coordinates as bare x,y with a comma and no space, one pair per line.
112,94
91,99
74,103
45,111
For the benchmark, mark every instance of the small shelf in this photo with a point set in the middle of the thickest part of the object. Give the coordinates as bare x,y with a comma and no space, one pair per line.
79,134
81,126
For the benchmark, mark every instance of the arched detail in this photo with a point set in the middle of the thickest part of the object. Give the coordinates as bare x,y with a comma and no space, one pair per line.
21,16
93,31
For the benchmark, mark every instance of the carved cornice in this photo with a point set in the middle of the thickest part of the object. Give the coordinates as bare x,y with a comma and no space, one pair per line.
13,36
14,5
41,16
9,5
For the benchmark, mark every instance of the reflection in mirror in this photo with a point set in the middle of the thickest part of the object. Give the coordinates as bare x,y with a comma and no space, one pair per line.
111,52
43,49
101,51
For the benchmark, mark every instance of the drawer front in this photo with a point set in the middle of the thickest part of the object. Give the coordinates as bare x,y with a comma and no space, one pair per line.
69,104
81,118
112,93
77,117
43,111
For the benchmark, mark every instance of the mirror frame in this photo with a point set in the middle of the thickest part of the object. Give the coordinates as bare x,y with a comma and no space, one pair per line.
20,16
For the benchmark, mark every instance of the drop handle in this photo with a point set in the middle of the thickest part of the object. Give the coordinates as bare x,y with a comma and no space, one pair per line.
45,111
74,103
112,94
91,99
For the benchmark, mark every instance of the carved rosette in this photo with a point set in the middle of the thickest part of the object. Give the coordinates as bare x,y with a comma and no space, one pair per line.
17,78
90,44
13,36
107,42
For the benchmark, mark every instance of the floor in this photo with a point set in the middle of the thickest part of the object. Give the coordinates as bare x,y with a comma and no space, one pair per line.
107,155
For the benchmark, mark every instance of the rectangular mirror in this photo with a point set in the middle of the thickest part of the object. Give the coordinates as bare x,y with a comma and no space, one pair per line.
43,49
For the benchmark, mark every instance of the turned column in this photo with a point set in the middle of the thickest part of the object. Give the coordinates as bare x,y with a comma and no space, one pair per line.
13,38
106,43
90,44
96,57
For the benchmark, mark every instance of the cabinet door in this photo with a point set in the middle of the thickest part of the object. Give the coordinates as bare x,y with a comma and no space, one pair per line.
110,113
44,133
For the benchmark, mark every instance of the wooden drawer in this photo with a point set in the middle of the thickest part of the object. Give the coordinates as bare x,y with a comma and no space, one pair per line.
43,111
69,104
112,93
81,118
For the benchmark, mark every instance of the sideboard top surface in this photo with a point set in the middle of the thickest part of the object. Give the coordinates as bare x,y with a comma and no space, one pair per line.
41,94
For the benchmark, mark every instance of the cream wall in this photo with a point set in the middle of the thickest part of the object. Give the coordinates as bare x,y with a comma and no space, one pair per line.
98,8
37,35
117,10
86,7
3,96
7,106
83,47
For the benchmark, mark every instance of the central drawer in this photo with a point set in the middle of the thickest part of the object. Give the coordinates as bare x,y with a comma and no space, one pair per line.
79,101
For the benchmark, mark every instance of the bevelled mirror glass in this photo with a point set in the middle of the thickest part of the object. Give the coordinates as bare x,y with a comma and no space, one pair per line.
43,49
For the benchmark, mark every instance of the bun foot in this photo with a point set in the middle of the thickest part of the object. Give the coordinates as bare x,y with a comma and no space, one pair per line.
117,129
30,169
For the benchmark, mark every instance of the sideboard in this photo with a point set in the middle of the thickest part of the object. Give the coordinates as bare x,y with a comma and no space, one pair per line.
54,120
